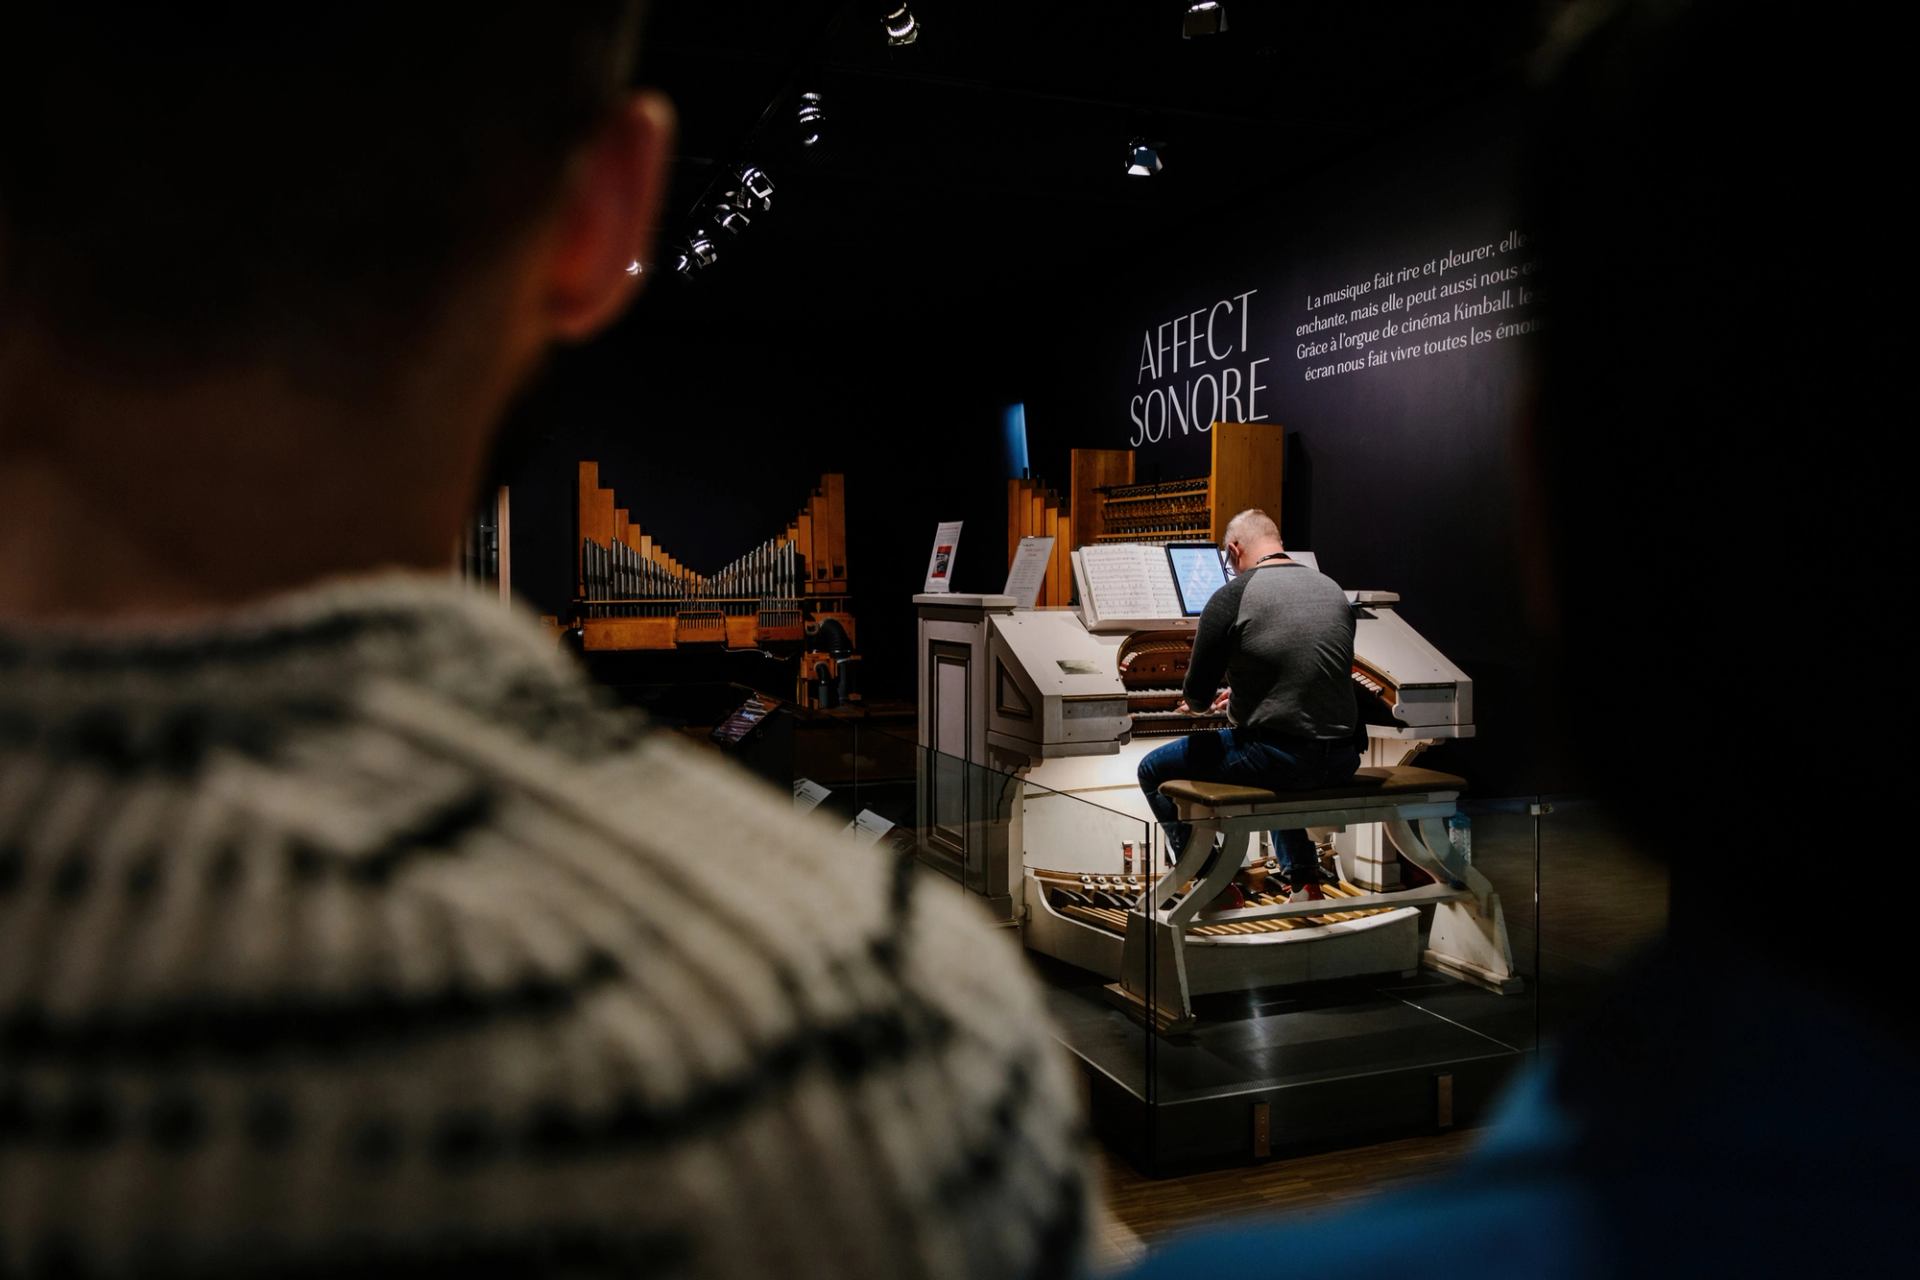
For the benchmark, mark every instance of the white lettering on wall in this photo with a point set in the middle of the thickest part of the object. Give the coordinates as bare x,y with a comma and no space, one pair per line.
1228,391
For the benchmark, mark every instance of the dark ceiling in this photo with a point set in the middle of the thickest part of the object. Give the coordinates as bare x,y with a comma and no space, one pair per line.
996,143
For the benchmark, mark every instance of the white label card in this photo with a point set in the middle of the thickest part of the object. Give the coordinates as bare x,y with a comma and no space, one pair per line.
807,794
1029,571
867,827
946,545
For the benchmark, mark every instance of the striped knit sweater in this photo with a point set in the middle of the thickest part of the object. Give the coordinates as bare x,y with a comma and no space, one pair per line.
352,934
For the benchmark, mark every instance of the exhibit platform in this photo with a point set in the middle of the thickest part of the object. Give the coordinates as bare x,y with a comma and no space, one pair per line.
1291,1069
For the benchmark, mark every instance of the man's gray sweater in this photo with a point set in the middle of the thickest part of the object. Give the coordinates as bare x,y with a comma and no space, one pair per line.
1281,635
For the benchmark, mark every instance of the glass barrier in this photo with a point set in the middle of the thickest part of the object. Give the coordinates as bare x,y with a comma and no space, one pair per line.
1251,1025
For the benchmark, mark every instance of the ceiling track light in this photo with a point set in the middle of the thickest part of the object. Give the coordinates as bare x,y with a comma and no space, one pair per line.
812,119
1143,158
1206,18
729,217
901,27
700,248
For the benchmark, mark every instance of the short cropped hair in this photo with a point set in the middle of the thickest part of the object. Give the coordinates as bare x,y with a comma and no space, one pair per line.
187,187
1250,525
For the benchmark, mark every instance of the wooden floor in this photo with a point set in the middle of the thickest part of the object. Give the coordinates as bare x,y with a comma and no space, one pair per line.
1145,1211
1154,1207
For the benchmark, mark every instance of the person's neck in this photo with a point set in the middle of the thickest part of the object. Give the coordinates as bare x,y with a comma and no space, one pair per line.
116,509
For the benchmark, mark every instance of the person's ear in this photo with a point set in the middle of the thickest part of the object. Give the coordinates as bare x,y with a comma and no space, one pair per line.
606,222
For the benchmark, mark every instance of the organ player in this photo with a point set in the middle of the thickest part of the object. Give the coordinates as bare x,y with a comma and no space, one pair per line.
1279,636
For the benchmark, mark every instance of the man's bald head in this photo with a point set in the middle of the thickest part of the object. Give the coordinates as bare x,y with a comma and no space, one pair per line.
1250,536
1253,525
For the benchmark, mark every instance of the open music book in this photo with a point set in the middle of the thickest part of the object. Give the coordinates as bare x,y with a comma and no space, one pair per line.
1126,586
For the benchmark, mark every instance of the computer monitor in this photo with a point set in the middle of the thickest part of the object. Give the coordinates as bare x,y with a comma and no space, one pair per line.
1198,572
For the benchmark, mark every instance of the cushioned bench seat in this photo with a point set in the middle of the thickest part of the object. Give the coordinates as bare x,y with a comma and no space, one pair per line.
1467,936
1365,783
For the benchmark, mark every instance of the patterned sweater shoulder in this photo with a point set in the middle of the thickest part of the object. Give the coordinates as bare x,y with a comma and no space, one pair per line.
354,934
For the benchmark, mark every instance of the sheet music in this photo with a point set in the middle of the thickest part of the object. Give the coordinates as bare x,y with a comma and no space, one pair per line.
1029,570
1130,580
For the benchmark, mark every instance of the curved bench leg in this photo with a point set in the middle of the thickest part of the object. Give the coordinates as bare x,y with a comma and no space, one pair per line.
1469,937
1211,877
1153,962
1192,859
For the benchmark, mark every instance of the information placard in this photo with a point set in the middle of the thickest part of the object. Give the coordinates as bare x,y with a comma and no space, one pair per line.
867,827
807,794
946,544
1029,571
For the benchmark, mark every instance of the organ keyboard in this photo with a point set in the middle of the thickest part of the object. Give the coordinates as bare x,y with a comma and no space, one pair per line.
1153,668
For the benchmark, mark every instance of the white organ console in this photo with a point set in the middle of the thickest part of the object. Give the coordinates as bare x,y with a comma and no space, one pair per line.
1051,711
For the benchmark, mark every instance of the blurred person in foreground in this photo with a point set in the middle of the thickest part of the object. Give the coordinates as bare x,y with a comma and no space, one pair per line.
342,929
1713,542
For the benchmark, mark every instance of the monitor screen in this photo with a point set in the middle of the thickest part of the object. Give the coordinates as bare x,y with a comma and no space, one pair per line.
1198,572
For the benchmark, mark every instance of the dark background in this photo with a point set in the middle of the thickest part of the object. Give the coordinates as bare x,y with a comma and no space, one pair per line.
966,237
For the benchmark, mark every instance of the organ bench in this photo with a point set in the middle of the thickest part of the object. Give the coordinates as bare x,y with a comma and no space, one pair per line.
1357,932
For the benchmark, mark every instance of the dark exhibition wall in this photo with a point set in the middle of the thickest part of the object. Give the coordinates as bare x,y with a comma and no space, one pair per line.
1366,284
1381,312
713,435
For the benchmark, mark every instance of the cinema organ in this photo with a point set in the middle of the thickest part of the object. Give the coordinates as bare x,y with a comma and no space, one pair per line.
1036,721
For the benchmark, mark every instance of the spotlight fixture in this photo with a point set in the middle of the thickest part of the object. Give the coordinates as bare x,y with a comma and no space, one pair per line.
1143,158
683,261
1206,18
755,190
634,268
728,216
900,25
701,249
812,117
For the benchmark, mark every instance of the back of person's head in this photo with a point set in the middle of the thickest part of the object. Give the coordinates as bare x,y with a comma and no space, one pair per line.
186,189
268,285
1251,527
1713,385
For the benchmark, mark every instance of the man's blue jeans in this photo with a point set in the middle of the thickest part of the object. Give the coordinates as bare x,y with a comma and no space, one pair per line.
1249,760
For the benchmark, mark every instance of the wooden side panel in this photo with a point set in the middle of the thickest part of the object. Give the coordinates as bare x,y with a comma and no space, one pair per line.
1051,586
634,537
1016,513
627,633
646,547
586,506
806,545
1062,572
1090,469
503,526
835,487
620,523
817,513
1247,461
